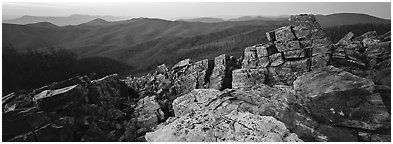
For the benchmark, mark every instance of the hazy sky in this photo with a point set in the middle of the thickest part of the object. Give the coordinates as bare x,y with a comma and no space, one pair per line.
201,9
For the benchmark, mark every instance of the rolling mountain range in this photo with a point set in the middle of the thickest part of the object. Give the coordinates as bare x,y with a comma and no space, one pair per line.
61,21
144,43
348,19
325,20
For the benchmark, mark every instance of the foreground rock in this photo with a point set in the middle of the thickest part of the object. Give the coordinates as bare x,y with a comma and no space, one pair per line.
279,91
212,115
98,110
336,97
235,126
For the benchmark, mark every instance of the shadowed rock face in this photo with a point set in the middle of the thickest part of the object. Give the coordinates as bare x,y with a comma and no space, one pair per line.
97,110
297,87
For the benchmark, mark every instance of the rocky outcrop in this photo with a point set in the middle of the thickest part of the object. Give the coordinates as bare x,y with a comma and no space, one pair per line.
212,115
97,110
297,87
293,50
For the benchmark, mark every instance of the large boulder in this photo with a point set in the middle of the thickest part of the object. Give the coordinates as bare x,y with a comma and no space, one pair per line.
235,126
338,97
261,100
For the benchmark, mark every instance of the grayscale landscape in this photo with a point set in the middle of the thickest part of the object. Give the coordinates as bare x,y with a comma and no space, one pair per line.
196,72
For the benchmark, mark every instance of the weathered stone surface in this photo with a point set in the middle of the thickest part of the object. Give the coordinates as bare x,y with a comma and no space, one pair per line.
263,62
276,59
261,100
250,52
235,126
189,102
380,50
246,78
339,97
301,32
54,100
346,39
321,46
257,56
269,101
369,42
282,74
318,62
295,54
300,66
186,83
330,79
262,50
287,45
222,73
148,112
202,70
284,34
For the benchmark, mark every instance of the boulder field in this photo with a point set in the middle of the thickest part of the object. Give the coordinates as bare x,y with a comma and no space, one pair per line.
297,87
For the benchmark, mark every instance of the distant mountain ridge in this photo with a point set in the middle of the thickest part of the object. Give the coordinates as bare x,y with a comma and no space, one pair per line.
203,19
61,21
336,19
247,18
348,19
325,20
96,22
